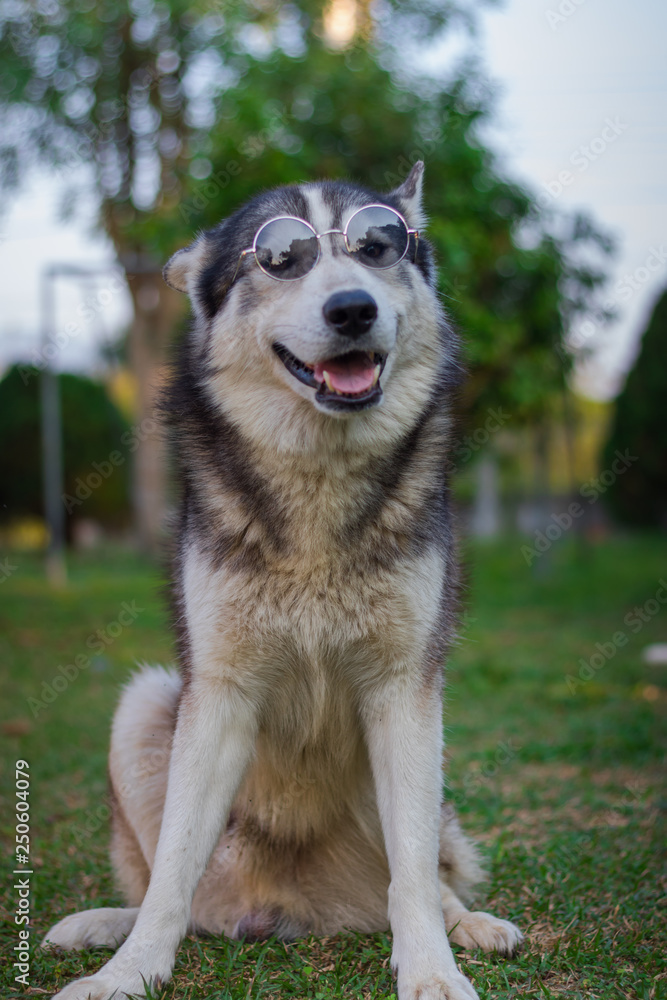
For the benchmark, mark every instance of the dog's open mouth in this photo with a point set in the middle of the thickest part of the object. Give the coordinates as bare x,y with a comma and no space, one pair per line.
348,382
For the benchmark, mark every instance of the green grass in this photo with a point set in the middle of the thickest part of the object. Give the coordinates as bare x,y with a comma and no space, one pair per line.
560,781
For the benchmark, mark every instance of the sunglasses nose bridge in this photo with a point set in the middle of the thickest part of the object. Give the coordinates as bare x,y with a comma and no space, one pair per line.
329,232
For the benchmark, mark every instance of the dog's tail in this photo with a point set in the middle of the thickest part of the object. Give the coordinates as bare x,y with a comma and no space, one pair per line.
458,861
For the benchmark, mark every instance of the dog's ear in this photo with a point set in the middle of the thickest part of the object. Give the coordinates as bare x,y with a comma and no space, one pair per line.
182,270
409,195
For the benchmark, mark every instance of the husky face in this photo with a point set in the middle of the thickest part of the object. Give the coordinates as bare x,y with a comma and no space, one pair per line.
344,342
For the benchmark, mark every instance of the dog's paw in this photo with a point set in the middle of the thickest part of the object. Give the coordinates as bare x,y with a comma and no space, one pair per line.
99,987
106,927
125,975
448,986
477,929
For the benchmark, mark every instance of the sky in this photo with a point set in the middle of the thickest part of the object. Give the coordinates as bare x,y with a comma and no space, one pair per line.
581,117
32,239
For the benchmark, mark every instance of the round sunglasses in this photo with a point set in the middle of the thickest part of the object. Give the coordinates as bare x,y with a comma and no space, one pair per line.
287,248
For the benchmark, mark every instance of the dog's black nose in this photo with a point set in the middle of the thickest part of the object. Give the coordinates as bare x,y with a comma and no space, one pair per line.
351,313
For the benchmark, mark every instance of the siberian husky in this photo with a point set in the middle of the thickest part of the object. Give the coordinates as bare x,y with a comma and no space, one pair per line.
288,779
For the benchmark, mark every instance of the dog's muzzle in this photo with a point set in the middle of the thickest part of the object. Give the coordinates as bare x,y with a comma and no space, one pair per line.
348,381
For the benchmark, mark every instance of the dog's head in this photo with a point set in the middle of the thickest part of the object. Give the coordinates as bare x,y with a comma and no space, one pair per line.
347,342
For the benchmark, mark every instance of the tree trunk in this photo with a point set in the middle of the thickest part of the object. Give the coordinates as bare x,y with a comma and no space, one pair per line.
157,309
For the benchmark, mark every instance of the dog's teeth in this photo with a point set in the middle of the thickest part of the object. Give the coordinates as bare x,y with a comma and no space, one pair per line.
377,374
327,380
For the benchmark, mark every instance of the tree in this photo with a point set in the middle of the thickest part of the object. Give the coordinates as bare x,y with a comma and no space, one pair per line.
638,494
183,110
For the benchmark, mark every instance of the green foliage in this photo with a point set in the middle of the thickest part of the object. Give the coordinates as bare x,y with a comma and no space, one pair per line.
639,495
333,115
93,429
185,110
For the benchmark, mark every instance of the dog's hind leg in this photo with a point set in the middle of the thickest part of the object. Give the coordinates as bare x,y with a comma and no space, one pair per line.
106,927
129,864
141,738
138,763
459,871
458,859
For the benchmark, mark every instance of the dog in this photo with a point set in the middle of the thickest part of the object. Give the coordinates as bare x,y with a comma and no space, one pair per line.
288,780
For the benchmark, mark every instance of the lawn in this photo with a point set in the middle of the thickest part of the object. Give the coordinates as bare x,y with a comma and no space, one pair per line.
556,737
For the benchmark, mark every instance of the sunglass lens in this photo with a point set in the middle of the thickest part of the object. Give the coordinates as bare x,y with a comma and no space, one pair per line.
377,237
286,249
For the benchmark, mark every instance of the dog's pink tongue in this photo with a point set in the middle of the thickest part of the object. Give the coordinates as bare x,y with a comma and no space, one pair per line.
352,373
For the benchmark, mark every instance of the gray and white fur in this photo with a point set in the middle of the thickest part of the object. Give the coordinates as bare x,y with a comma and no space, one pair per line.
288,779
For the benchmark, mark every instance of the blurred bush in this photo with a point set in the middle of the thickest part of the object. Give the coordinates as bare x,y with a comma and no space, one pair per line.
95,452
638,496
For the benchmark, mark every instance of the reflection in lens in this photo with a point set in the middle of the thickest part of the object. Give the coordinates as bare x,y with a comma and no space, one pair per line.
377,237
286,248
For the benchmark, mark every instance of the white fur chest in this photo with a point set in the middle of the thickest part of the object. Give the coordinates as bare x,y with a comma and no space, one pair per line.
255,627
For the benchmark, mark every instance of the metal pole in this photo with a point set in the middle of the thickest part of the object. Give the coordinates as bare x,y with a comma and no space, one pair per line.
52,457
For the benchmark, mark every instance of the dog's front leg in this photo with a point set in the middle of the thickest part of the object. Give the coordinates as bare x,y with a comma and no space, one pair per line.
213,743
403,723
